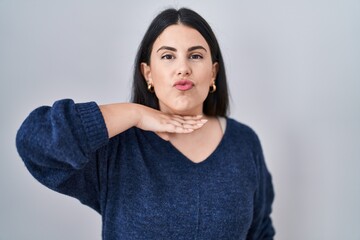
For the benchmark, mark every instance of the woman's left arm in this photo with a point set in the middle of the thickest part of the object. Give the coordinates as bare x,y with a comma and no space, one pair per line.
262,227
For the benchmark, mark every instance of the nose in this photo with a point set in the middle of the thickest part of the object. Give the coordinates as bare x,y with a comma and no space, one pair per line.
184,68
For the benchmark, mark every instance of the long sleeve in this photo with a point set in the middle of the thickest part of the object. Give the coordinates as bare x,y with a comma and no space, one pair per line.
262,227
144,187
59,146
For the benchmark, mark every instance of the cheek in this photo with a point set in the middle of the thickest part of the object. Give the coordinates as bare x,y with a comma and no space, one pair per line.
206,76
159,76
160,83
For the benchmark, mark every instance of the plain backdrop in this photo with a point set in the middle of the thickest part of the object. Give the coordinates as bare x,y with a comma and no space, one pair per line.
294,75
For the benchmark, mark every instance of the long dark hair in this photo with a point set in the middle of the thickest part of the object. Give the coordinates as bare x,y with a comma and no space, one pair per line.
216,104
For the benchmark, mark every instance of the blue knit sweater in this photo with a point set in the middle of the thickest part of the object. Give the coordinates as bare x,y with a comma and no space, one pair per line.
142,186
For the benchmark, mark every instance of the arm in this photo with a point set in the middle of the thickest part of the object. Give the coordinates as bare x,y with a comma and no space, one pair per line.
261,227
60,145
121,116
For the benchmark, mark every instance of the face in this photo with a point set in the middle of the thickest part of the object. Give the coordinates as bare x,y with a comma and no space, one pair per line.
181,70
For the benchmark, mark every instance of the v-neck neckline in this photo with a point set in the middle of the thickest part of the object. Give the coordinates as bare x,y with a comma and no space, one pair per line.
185,158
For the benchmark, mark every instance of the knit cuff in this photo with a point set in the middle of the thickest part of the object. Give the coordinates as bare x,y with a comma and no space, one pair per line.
94,124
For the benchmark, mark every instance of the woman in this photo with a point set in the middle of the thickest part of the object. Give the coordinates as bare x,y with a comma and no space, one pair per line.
169,165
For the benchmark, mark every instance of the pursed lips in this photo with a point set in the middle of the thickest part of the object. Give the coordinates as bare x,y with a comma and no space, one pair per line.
183,85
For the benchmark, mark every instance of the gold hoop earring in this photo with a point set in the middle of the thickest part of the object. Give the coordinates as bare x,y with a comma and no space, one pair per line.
150,88
212,88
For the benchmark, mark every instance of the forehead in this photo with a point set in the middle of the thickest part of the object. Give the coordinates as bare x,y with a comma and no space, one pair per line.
180,36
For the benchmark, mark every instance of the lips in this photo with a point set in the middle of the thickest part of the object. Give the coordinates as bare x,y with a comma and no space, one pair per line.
184,85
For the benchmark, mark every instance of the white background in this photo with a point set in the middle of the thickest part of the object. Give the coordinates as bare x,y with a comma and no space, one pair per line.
294,73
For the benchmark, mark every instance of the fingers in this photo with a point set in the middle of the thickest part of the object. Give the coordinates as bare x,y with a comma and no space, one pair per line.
187,119
157,121
184,124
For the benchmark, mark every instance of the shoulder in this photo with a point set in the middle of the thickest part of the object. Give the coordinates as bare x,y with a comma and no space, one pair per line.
244,139
242,135
239,129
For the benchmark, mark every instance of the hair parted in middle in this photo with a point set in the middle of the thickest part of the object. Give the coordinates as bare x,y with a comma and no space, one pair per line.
217,103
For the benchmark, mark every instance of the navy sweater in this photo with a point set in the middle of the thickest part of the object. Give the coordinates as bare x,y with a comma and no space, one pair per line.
142,186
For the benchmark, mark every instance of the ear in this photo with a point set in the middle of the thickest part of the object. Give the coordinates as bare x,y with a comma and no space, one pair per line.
215,69
146,72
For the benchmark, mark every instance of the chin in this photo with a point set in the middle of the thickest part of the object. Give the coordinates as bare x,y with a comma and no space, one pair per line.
188,111
182,110
182,106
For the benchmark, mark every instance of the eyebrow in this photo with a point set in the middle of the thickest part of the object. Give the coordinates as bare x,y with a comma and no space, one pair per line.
174,49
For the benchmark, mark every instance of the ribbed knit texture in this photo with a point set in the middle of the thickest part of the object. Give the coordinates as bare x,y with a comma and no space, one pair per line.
143,187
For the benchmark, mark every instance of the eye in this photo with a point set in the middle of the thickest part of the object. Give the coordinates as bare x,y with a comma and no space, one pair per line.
167,57
196,56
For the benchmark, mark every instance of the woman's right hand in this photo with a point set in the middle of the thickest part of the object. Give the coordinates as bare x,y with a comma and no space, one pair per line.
163,124
122,116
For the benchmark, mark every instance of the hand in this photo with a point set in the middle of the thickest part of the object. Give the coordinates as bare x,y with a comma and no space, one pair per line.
163,124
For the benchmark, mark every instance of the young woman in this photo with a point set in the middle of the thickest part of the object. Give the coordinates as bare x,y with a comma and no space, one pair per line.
169,165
